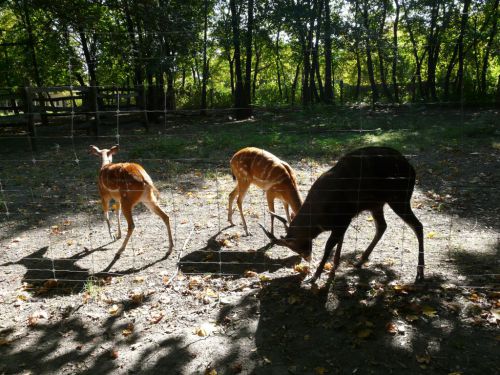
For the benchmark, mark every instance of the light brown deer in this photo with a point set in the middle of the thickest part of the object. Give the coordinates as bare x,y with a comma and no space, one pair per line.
127,184
255,166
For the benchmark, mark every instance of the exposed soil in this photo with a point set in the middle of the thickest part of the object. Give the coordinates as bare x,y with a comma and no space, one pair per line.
224,303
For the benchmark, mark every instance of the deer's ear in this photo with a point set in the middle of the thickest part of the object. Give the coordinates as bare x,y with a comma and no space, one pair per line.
113,150
94,150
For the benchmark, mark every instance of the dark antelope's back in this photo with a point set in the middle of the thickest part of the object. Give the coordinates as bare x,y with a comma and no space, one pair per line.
364,179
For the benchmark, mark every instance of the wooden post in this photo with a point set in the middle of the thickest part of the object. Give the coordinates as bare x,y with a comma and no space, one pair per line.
94,105
28,112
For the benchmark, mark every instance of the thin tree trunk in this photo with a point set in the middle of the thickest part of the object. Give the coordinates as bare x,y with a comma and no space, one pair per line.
381,53
315,55
239,94
396,53
328,97
294,84
449,71
248,59
256,71
487,51
205,65
369,61
460,42
278,65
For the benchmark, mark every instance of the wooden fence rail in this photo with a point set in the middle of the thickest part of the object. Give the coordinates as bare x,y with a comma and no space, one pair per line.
28,104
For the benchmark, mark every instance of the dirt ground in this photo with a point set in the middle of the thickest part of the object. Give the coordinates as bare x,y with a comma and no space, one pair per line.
224,303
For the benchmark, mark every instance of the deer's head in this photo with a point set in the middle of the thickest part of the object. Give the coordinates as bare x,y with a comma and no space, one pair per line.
295,240
105,154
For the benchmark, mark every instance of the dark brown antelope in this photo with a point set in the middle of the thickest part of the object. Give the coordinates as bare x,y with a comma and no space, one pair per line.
364,179
252,165
127,184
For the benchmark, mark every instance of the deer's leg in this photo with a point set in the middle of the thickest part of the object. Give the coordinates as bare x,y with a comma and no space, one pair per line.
242,190
404,211
105,209
232,196
127,212
153,206
287,211
270,205
336,237
381,226
118,217
336,257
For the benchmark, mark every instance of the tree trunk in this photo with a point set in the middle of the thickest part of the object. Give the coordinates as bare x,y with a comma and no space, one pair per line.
396,52
460,42
294,84
328,96
449,71
239,94
278,65
315,53
381,53
248,59
418,61
369,61
491,38
205,65
255,71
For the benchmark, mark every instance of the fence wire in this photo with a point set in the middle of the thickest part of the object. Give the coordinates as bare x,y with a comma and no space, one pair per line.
52,227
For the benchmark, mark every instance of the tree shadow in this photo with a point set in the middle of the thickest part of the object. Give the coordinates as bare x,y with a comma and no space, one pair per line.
52,277
212,258
357,322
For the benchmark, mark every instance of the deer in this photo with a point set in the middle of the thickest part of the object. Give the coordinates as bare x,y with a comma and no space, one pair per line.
127,184
253,165
364,179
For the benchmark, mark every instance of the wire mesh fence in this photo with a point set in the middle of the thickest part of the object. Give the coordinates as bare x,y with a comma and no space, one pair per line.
53,233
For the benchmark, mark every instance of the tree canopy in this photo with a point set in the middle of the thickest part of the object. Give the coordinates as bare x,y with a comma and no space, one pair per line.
243,53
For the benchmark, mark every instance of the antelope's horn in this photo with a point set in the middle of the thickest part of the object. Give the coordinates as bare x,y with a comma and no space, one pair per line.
271,236
280,218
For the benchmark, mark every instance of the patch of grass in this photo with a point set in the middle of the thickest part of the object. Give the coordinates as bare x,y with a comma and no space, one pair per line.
92,287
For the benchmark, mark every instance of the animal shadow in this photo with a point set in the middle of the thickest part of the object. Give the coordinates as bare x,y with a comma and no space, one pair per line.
216,259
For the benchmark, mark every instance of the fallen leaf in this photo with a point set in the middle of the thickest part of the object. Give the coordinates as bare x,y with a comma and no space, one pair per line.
423,359
50,283
320,370
369,218
302,268
429,311
431,235
210,293
113,353
137,296
496,314
391,328
411,318
264,278
250,273
113,309
200,332
210,371
156,318
138,279
328,266
129,330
